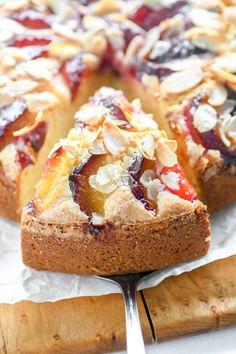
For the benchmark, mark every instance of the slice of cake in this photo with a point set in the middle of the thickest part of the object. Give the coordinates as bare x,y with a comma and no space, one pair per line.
47,65
205,127
113,197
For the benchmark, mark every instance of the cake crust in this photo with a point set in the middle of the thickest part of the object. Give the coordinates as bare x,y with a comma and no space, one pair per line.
117,248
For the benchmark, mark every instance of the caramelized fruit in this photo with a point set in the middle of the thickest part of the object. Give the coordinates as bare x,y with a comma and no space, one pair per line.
89,200
72,71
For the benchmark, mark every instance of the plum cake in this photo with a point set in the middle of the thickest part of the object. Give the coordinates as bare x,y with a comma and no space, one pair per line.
113,197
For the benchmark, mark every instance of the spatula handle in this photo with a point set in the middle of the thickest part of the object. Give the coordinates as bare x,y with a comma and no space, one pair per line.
134,337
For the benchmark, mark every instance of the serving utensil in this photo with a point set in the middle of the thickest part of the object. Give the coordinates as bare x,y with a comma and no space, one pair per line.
128,285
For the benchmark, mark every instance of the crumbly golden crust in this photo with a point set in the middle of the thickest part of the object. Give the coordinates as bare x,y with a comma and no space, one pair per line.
9,200
117,248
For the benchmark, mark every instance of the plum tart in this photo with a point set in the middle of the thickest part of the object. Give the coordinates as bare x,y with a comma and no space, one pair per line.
113,197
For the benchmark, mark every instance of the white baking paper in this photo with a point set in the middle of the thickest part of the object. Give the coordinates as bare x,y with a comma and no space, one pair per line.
18,282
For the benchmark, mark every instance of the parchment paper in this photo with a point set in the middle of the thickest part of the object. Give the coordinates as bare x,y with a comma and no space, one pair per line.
18,282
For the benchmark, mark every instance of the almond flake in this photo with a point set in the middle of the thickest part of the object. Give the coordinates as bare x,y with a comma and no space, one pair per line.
218,95
107,179
20,87
37,102
5,98
165,154
41,68
171,180
152,37
205,118
91,61
91,22
98,45
159,49
133,48
114,139
63,50
28,128
148,147
91,114
182,81
103,7
147,177
204,18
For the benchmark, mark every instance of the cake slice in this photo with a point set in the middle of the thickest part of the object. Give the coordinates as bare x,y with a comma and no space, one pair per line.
113,197
204,126
47,70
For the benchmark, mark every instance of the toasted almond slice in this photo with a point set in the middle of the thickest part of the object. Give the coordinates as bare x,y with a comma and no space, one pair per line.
218,95
65,32
28,128
91,60
5,98
63,50
171,180
41,68
205,18
151,82
91,114
209,39
205,118
20,87
225,77
37,102
114,139
182,81
98,45
148,147
91,22
165,154
152,37
103,7
160,48
133,49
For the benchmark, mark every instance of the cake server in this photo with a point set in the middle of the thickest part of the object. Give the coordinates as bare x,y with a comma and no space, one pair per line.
128,284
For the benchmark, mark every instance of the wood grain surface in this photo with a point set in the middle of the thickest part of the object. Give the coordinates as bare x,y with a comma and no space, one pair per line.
81,325
202,300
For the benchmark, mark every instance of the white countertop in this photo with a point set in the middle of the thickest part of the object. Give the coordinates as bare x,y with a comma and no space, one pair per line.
219,342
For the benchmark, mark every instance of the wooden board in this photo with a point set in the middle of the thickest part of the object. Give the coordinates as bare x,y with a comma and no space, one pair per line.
202,300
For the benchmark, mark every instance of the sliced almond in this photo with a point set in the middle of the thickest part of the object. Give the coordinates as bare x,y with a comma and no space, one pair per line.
165,154
20,87
114,139
133,49
63,50
103,7
218,95
37,102
28,128
207,39
159,49
205,118
148,147
182,81
152,37
91,61
205,18
41,68
171,180
91,114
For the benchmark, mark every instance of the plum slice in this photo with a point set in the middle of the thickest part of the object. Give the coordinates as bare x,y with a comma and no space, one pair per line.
135,171
33,19
34,139
185,189
73,70
147,18
90,200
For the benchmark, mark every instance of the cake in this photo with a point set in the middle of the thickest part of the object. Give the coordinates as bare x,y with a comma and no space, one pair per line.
113,197
54,55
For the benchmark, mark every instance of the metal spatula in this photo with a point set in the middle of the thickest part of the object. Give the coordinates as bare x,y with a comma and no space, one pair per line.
128,284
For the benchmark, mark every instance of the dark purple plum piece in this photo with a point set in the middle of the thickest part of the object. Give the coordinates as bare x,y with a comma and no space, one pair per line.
180,49
139,67
72,71
147,18
135,171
